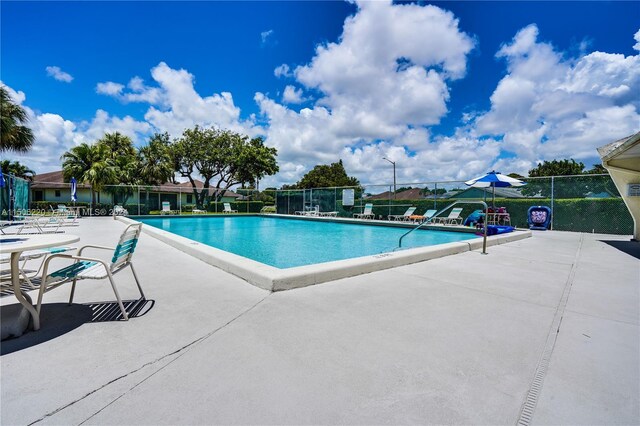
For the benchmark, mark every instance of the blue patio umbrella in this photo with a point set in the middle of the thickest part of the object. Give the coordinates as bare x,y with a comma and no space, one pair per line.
494,179
74,189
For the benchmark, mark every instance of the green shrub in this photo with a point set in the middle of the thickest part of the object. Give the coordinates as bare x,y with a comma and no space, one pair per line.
599,215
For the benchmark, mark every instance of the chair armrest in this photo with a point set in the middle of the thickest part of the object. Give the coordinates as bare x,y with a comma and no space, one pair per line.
93,246
68,256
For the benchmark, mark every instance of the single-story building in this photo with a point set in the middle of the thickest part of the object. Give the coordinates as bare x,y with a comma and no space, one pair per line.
486,193
622,159
51,187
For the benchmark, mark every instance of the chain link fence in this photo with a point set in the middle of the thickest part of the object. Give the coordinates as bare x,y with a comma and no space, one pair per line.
583,203
14,196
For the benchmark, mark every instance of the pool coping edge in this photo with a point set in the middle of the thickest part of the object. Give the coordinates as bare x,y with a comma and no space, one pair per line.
274,279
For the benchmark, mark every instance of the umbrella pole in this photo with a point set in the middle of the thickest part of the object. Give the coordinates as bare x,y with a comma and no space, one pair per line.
494,198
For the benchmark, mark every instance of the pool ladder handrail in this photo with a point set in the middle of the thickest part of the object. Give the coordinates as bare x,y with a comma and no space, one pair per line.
486,212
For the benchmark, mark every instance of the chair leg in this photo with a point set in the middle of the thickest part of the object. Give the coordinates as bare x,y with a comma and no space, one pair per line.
115,291
73,290
135,276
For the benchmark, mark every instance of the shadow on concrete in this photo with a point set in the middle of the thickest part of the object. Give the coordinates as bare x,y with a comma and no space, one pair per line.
632,248
57,319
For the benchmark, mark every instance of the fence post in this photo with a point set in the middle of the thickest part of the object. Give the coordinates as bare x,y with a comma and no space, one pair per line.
138,199
435,195
552,197
389,203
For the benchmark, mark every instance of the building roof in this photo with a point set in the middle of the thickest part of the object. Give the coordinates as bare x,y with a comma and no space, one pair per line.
56,180
52,180
625,147
409,194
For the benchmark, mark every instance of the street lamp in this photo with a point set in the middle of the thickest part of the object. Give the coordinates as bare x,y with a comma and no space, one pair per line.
394,175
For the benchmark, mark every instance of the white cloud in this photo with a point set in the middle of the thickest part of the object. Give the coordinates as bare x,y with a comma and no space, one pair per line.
636,37
17,97
58,74
292,95
390,66
282,71
55,135
549,106
264,36
380,86
109,88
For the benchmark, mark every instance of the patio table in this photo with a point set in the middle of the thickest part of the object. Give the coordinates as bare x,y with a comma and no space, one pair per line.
16,244
497,218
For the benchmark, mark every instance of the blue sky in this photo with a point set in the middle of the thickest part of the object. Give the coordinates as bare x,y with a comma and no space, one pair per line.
447,89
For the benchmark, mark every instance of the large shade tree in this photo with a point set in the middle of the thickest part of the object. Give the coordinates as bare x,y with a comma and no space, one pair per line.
327,176
571,180
14,133
222,158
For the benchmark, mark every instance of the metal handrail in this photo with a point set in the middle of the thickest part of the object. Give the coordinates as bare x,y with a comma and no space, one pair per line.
486,215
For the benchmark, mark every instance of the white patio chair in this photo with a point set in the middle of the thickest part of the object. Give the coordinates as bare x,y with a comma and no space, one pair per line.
404,216
227,209
367,213
93,268
166,208
454,217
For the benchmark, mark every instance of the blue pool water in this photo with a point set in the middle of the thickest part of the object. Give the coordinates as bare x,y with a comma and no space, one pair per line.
286,243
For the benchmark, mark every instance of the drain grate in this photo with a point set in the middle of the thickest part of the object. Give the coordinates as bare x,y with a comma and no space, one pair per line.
529,406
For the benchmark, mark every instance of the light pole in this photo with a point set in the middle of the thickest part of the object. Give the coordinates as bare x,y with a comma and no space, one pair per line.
394,175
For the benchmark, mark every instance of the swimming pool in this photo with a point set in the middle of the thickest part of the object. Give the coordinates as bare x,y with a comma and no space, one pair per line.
327,249
287,243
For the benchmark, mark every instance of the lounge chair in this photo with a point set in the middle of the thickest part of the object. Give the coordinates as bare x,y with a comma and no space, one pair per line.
227,209
309,211
166,208
454,217
367,213
6,223
428,215
67,216
196,210
39,224
120,211
328,214
403,217
92,268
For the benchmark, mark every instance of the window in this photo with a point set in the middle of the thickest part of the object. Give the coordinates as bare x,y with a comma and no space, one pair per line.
38,195
57,193
189,198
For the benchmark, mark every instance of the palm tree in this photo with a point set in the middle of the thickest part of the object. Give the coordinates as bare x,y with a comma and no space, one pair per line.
91,164
120,150
16,169
156,165
14,135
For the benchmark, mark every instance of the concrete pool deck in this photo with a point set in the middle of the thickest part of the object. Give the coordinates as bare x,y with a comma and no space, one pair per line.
464,339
